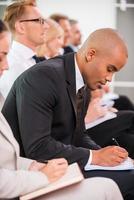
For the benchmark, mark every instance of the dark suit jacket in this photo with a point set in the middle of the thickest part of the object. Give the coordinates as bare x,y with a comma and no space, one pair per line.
41,110
68,49
123,103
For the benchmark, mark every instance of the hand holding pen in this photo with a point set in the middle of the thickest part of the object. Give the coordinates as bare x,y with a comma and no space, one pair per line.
55,169
109,156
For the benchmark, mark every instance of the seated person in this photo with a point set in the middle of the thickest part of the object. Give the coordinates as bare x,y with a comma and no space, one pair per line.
53,41
121,102
98,107
75,37
102,125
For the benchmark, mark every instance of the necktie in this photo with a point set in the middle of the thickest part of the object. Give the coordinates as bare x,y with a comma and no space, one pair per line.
38,59
82,101
80,127
81,104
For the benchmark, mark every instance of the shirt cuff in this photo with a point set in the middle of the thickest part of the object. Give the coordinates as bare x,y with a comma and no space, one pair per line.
89,160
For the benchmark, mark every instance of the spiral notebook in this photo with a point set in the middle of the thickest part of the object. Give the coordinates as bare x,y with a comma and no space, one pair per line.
72,176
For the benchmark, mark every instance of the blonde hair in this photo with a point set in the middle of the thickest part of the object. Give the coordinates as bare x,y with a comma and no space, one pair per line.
54,30
15,11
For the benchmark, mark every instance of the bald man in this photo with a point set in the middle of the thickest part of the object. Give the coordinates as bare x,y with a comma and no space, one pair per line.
41,107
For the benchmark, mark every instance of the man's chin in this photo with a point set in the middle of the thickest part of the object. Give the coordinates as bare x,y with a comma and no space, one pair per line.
93,88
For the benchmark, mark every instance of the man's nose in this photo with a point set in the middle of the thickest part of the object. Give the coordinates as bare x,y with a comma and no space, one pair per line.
109,78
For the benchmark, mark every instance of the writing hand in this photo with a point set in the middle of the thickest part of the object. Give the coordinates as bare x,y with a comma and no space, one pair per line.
109,156
55,169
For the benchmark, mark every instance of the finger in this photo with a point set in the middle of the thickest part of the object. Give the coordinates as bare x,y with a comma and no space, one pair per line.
60,161
121,155
62,166
121,149
58,166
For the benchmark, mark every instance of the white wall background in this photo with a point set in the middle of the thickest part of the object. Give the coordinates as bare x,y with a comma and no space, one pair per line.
91,14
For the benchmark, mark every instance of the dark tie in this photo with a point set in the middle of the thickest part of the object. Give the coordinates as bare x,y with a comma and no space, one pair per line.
81,104
80,127
38,59
82,101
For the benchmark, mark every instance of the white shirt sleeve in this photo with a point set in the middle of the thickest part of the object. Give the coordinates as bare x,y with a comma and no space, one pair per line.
89,160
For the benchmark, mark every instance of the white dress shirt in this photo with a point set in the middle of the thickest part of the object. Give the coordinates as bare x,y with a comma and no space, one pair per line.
79,84
19,60
74,48
2,99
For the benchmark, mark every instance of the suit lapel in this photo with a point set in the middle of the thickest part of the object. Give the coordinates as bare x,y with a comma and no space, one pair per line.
71,79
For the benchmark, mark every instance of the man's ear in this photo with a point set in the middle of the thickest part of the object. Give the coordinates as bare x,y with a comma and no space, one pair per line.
90,55
19,27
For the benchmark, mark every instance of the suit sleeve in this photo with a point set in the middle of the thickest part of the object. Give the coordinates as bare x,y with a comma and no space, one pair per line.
16,183
35,100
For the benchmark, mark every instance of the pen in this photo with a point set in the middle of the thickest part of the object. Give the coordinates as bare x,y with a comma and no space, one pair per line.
115,142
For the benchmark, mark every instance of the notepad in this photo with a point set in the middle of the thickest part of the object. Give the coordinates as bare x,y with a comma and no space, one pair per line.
128,164
72,176
108,116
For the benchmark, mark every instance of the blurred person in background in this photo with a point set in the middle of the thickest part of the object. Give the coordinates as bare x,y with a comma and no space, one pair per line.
63,20
28,28
75,37
121,102
54,40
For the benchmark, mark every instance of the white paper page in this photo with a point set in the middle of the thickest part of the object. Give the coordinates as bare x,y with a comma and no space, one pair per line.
108,116
128,164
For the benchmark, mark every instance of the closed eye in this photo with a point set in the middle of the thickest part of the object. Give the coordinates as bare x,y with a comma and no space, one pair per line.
111,68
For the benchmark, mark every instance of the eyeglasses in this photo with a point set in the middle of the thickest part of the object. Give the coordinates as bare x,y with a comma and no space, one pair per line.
39,20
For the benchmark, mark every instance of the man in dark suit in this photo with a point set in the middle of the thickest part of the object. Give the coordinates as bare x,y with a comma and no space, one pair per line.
41,107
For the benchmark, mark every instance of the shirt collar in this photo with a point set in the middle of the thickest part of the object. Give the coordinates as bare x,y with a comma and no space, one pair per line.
75,48
79,78
22,50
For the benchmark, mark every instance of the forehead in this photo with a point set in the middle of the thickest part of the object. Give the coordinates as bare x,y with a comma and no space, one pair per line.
65,24
32,11
119,58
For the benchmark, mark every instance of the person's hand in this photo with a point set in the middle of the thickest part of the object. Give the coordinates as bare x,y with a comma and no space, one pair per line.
112,109
55,169
109,156
95,111
36,166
